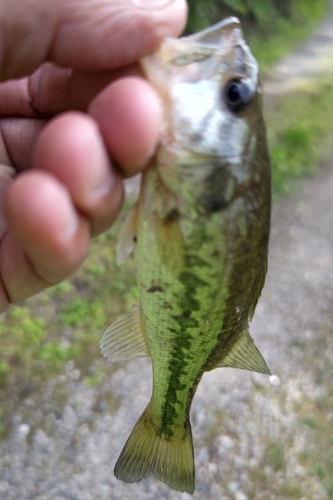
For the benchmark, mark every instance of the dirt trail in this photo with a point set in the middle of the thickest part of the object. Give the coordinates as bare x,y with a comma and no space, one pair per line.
255,437
312,59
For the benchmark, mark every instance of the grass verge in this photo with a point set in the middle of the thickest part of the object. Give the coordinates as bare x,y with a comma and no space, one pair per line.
299,133
66,322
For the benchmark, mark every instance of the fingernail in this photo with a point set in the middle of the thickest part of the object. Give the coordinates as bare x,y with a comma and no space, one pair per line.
70,219
102,178
152,4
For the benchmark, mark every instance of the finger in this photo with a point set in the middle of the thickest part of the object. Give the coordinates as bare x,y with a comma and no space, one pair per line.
48,239
70,148
128,114
51,90
84,34
6,176
18,137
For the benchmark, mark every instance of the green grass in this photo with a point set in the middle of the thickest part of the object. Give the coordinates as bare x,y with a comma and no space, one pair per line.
67,321
318,455
317,422
275,456
299,133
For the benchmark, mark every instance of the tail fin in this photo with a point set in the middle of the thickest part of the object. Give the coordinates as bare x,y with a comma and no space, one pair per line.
148,452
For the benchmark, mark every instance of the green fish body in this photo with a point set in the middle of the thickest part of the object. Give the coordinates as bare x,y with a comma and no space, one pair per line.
200,233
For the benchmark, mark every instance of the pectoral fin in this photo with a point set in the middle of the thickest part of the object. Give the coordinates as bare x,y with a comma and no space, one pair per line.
245,355
124,339
127,235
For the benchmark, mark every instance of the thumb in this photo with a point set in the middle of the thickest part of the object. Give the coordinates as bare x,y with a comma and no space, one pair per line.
83,34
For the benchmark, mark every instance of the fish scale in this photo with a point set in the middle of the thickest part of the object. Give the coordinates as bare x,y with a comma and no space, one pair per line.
200,233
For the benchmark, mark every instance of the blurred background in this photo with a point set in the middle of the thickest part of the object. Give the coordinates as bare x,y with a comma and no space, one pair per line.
65,412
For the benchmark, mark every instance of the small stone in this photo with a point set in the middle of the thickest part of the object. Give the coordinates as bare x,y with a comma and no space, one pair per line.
23,430
100,406
268,470
203,455
224,444
212,469
29,388
274,380
309,335
75,375
69,366
233,486
329,418
239,495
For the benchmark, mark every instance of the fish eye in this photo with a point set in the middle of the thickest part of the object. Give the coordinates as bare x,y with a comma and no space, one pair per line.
237,94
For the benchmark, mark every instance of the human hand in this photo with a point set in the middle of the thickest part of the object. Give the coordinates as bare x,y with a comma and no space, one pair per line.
58,183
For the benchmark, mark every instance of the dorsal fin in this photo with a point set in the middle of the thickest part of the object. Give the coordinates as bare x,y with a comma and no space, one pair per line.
124,339
127,235
245,355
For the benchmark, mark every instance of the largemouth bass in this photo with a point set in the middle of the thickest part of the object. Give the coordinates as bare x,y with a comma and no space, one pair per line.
200,234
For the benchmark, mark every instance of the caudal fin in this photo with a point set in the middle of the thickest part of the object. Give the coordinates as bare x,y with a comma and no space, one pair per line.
148,452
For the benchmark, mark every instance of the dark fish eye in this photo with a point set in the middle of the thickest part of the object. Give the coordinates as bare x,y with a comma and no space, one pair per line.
237,94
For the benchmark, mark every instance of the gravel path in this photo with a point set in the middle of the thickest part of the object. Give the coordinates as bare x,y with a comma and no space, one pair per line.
249,435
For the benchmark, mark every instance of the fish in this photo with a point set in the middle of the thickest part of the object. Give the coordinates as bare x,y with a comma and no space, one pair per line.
199,232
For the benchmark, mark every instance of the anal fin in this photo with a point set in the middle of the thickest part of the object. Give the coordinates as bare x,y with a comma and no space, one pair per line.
124,339
245,355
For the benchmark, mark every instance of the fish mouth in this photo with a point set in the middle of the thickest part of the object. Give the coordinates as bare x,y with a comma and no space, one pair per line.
200,56
212,34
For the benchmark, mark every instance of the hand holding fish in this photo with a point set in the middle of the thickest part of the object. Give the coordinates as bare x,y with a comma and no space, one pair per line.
58,185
